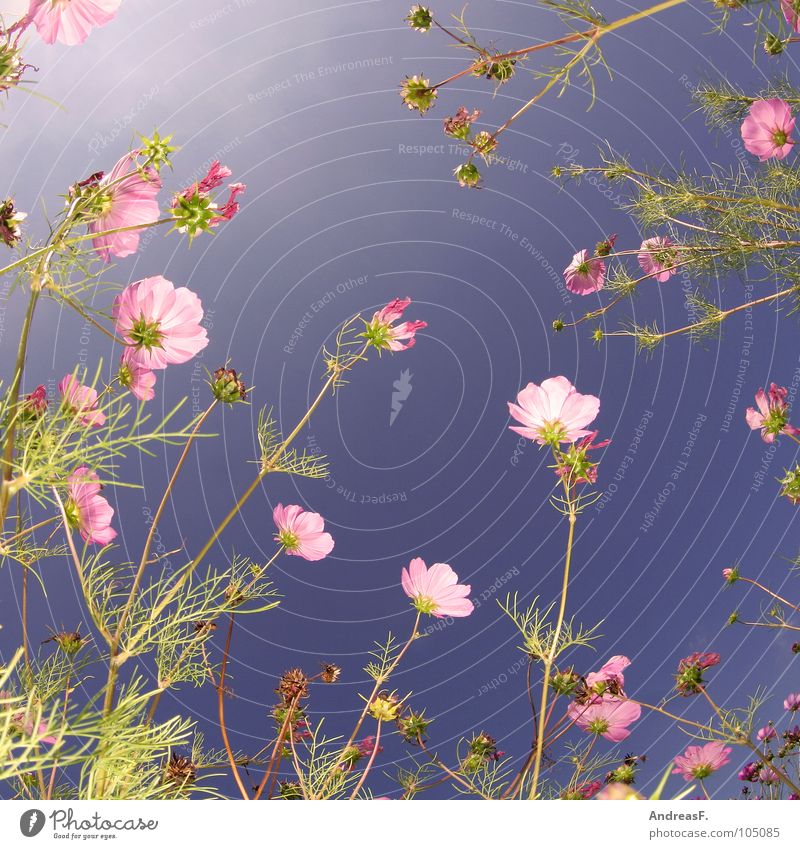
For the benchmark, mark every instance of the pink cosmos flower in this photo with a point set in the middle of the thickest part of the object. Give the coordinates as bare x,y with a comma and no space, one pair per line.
791,11
772,415
767,129
86,509
131,200
382,335
80,401
22,723
70,21
608,716
161,323
585,275
768,732
436,590
658,258
609,678
767,775
698,762
792,702
301,532
136,377
553,412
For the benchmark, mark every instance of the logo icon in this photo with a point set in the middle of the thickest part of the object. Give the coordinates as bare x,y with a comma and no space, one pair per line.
402,389
31,822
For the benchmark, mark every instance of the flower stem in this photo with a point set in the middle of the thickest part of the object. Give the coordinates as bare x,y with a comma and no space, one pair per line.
221,709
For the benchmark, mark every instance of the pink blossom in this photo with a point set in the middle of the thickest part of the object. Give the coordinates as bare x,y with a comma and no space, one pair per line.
436,590
791,11
70,21
772,415
22,722
80,401
381,333
130,200
608,716
553,412
768,732
585,275
136,377
792,702
698,762
658,258
161,323
767,129
36,403
767,775
609,677
87,510
301,532
195,209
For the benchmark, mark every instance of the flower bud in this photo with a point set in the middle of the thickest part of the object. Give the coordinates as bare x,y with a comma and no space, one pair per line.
417,93
773,46
467,175
790,485
156,150
420,18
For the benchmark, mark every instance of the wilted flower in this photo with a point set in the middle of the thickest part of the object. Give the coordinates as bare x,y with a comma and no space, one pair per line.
767,129
436,590
420,18
383,334
227,386
482,749
69,642
772,415
554,412
468,175
195,210
585,275
363,749
690,671
70,22
417,93
458,126
180,770
565,683
698,762
127,197
135,377
605,247
608,716
575,466
80,401
161,323
34,405
301,533
658,258
86,509
485,144
330,673
10,220
293,685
